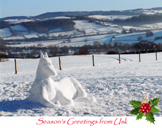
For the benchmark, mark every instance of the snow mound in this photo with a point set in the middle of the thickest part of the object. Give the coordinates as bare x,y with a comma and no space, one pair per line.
54,94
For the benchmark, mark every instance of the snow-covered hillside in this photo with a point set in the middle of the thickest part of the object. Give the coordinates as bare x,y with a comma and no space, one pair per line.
16,21
19,29
152,12
89,40
111,17
58,17
113,84
32,35
80,41
5,32
84,25
132,38
14,38
83,32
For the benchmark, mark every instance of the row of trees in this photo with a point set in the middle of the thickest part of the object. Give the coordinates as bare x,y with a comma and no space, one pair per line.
143,46
146,46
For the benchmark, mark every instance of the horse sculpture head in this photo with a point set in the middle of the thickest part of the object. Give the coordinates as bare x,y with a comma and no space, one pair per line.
45,68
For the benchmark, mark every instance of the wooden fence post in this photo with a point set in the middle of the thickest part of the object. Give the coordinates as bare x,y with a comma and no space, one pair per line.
156,55
139,57
15,67
60,63
93,60
119,59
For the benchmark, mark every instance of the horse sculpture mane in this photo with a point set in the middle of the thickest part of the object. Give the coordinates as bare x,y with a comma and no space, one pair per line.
54,94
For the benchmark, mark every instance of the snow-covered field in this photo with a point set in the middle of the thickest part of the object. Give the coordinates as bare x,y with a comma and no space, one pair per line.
84,25
111,17
19,28
113,84
80,41
5,32
153,26
132,38
16,21
58,17
152,12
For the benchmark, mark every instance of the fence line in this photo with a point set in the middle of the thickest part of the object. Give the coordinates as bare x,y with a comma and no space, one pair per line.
93,61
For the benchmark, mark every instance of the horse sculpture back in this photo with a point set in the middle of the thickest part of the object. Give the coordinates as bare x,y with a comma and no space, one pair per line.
54,94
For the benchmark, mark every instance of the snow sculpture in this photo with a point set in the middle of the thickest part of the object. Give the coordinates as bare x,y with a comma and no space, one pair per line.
54,94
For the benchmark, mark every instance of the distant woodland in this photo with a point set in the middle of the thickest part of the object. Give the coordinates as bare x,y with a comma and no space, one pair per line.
139,20
43,26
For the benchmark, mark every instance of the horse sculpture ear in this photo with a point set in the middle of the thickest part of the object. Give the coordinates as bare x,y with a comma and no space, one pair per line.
41,55
46,55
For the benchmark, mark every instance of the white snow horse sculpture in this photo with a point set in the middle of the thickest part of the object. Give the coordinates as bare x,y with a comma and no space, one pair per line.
54,94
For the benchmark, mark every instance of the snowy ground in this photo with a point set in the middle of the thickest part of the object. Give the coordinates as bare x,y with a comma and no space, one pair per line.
113,84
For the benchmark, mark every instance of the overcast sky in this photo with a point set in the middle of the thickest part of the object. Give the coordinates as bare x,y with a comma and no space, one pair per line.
36,7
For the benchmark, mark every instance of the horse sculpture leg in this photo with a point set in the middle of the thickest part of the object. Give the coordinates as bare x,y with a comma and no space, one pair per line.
81,94
62,99
43,99
80,91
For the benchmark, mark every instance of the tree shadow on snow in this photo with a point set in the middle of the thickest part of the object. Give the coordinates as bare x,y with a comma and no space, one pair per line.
13,106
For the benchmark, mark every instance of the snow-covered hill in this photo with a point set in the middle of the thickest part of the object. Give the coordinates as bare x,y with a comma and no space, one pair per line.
84,25
16,21
113,84
152,12
84,31
5,32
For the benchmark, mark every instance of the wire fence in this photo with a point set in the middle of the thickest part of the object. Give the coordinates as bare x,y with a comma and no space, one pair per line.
78,61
